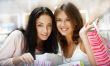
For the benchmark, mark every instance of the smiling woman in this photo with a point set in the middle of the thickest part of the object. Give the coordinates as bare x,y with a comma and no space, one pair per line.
38,38
72,35
44,26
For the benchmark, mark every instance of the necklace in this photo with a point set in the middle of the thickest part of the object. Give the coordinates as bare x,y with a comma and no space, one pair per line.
68,60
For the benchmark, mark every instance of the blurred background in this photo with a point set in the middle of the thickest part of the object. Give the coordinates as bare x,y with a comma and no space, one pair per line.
14,13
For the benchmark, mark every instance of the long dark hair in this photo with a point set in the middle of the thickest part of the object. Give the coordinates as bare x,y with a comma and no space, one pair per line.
76,20
50,45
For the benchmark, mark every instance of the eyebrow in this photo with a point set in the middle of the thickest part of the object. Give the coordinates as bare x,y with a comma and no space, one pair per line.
39,22
49,23
58,18
42,23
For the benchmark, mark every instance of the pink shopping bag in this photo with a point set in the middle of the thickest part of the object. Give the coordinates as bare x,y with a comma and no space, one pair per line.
99,51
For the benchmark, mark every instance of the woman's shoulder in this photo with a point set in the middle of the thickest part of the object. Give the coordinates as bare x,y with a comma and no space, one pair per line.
16,33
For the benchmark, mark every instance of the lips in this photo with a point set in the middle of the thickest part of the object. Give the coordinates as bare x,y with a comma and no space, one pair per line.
64,29
44,35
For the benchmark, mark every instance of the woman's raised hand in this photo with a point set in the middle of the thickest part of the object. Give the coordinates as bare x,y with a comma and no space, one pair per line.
86,28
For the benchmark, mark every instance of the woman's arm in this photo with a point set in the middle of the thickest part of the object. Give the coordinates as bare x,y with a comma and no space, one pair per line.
12,47
11,53
84,38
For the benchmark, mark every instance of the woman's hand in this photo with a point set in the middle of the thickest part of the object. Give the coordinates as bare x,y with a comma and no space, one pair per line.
86,28
25,58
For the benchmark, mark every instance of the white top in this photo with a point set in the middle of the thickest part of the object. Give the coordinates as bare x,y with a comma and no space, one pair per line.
12,47
78,55
14,44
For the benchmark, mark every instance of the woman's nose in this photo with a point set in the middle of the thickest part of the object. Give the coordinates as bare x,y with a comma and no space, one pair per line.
45,30
63,23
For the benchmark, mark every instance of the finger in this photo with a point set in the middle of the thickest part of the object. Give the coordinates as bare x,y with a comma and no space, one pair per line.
22,59
85,25
90,27
97,20
29,57
91,22
25,59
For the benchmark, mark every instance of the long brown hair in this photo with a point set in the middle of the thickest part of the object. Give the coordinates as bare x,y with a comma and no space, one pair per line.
76,20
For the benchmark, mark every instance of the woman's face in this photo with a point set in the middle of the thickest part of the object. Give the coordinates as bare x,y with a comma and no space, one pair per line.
64,24
44,26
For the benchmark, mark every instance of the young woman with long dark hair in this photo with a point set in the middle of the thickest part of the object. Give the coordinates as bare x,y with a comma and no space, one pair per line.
38,38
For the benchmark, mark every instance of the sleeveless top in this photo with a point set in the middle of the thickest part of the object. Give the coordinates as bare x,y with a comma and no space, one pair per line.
78,55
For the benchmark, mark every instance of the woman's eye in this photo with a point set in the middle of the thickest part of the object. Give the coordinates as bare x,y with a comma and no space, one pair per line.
49,25
68,19
58,20
39,25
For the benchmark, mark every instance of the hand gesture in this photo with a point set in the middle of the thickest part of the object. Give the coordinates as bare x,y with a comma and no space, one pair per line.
86,28
26,58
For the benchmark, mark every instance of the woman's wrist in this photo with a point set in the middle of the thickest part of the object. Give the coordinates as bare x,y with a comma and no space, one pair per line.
83,35
16,60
